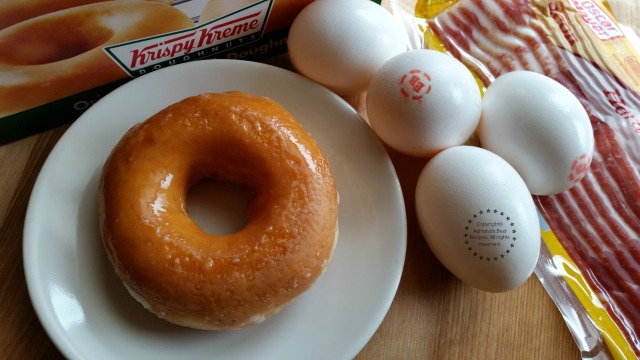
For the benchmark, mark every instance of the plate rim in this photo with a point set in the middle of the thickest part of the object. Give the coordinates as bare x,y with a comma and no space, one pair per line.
62,342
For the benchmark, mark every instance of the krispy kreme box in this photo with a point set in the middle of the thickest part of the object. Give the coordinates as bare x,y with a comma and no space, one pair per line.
58,57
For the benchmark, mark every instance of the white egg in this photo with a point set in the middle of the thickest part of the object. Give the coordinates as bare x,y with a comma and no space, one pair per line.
540,128
423,101
478,218
342,43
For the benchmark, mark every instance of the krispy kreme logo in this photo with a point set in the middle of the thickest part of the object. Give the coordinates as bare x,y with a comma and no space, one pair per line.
148,54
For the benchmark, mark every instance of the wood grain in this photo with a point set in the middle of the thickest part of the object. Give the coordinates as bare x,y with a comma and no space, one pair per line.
21,334
433,315
436,316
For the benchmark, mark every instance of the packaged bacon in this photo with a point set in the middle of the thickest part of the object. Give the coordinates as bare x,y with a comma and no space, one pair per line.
590,260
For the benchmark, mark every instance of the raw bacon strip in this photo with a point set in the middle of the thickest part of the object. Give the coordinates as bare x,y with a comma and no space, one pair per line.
597,239
592,83
596,274
595,80
482,64
474,32
602,168
623,262
622,170
597,222
626,226
597,269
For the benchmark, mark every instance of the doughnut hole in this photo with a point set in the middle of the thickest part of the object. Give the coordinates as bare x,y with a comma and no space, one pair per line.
163,253
218,207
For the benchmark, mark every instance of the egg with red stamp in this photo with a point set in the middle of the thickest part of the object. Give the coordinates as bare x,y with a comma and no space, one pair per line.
423,101
540,128
342,43
478,218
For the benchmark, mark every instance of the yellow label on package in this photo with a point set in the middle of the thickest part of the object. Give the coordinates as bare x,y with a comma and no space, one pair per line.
575,25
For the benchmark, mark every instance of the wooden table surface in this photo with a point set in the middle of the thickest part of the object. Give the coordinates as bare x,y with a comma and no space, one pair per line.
433,315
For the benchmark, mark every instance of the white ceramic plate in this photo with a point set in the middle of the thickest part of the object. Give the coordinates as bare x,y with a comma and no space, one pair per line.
88,313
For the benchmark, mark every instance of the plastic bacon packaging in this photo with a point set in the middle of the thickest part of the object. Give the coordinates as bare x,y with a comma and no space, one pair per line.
590,259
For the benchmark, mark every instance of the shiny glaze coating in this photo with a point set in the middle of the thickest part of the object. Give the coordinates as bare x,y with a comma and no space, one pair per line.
171,265
61,53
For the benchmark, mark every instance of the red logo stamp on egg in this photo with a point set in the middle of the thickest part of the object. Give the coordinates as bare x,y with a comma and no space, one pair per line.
579,168
415,84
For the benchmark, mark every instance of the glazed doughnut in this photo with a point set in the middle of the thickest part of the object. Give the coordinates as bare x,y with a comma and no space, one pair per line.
199,280
61,53
15,11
